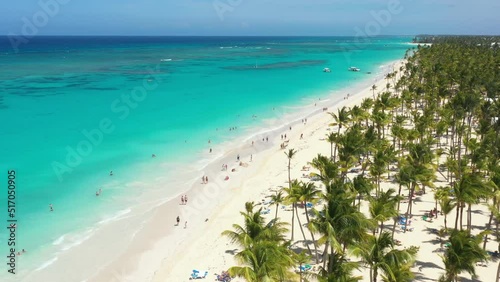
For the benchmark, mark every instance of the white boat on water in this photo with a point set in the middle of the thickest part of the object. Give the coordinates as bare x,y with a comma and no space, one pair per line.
354,69
326,70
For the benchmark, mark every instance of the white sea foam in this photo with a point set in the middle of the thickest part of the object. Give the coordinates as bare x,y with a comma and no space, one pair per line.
77,240
116,216
46,264
59,240
166,60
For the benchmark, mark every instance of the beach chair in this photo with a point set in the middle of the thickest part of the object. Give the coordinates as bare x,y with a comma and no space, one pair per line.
198,274
265,211
305,267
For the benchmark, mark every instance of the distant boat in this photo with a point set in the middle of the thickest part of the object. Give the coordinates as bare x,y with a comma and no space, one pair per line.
354,69
326,70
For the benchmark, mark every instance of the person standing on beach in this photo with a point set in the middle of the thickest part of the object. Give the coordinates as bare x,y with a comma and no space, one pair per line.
185,225
178,220
251,157
238,157
185,199
182,200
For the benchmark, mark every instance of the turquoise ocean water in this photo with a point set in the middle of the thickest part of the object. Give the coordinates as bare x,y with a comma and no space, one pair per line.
72,109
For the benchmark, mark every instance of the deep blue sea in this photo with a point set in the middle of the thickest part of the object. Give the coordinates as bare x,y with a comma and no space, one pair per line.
72,109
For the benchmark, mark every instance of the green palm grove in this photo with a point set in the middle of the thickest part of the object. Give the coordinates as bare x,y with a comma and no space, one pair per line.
440,123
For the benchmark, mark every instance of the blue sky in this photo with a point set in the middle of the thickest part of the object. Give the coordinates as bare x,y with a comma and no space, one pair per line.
249,17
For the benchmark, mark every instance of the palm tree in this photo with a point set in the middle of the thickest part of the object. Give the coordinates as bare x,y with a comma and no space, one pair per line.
462,254
331,138
373,88
266,255
328,170
265,261
380,254
383,207
447,205
308,193
341,271
255,229
339,222
362,186
340,119
468,190
294,195
277,199
290,154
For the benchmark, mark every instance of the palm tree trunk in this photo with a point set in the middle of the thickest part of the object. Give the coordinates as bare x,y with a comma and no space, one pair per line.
461,216
488,227
330,261
375,274
457,215
312,235
469,217
302,231
276,215
293,220
331,150
325,255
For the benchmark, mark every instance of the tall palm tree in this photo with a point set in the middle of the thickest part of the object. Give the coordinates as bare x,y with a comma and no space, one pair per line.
362,186
341,271
462,254
468,190
373,88
379,253
294,196
254,229
308,193
339,222
447,205
383,207
265,261
290,154
331,138
277,199
341,119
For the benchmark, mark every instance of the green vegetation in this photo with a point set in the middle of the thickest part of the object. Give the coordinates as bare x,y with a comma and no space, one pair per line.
436,121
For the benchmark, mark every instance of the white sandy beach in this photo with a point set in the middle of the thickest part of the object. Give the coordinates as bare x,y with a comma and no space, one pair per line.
174,251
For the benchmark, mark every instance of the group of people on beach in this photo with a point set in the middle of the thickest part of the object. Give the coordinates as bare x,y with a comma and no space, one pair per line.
184,200
204,179
178,219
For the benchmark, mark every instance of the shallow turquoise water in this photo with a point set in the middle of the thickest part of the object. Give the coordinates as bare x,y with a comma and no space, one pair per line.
55,89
